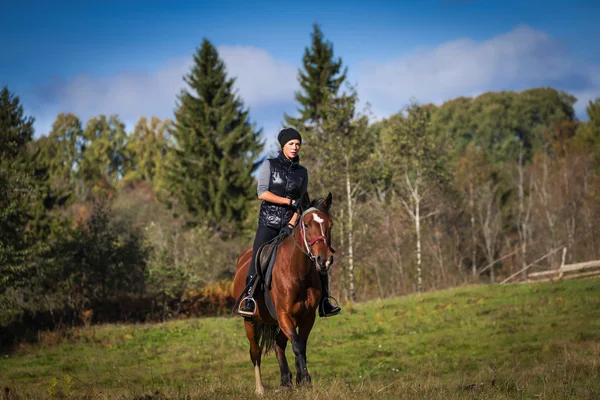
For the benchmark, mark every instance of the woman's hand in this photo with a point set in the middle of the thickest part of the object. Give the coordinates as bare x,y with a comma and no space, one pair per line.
286,230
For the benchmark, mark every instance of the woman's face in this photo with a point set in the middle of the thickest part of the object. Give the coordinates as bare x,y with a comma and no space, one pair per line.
291,148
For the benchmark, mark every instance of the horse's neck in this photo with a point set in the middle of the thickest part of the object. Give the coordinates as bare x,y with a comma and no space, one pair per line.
304,265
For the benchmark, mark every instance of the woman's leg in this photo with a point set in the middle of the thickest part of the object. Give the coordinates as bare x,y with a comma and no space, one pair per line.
263,235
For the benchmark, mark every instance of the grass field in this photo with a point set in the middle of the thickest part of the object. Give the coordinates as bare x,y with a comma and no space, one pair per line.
501,342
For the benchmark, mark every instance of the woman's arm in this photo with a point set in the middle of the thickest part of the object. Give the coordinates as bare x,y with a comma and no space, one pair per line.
264,175
273,198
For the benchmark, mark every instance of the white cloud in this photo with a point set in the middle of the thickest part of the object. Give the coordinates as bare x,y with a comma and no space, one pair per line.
516,60
519,59
261,81
261,78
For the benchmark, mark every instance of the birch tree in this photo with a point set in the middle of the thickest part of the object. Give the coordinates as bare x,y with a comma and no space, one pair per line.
418,157
525,190
345,148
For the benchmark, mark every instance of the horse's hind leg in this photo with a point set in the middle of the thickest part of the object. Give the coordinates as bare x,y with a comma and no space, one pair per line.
286,374
252,332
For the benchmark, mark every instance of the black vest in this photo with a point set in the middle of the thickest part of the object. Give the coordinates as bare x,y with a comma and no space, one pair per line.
287,180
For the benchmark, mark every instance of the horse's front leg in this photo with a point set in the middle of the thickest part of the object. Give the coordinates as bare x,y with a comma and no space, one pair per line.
286,374
255,353
304,328
288,327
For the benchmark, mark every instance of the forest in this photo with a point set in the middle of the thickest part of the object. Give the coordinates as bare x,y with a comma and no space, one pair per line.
100,222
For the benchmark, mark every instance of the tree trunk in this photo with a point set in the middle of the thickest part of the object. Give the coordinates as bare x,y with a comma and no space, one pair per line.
418,232
344,280
524,215
473,232
350,232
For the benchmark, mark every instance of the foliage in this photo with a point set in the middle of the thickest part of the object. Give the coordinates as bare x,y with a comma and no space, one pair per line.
19,197
146,150
214,154
16,130
103,259
103,159
322,77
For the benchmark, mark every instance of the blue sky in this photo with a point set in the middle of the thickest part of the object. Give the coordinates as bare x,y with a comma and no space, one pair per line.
128,57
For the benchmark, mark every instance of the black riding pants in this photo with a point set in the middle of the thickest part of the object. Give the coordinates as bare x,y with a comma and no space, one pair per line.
263,235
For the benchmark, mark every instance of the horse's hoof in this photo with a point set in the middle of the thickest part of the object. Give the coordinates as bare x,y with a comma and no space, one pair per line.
283,388
260,391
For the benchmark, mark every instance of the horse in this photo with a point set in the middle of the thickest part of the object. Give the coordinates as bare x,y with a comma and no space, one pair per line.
295,291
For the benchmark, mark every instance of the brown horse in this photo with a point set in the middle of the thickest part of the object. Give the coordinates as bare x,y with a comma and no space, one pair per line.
295,290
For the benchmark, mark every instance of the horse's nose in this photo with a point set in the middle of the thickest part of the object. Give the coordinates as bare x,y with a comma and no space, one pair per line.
323,263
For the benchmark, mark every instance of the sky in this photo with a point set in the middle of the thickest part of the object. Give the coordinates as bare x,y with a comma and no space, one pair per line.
129,57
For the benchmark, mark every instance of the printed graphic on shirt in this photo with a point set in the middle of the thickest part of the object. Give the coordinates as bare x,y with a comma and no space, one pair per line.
277,178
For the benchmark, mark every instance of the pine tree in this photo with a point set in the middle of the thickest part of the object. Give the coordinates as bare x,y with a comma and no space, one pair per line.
321,78
210,167
15,130
17,190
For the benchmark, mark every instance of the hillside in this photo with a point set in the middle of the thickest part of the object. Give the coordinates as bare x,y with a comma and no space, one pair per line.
515,341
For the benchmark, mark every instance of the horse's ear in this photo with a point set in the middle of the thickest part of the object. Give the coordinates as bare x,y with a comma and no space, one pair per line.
328,201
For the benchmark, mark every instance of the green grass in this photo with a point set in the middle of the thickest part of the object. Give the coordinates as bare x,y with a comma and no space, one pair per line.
503,342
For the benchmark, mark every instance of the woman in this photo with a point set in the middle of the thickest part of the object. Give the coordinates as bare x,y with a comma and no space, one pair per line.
282,182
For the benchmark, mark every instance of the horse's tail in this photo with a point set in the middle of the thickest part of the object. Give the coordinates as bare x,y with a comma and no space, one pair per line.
267,334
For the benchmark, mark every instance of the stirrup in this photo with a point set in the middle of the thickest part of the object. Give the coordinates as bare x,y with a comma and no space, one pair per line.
247,313
322,309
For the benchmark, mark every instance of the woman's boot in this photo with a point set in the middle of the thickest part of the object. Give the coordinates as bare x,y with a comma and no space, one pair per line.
326,309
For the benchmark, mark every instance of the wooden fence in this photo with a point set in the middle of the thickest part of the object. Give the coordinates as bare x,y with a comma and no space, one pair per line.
568,271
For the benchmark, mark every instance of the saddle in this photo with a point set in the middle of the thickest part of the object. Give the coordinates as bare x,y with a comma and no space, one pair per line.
264,262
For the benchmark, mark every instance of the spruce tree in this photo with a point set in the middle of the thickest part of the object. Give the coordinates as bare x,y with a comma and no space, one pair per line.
15,130
17,190
210,167
321,78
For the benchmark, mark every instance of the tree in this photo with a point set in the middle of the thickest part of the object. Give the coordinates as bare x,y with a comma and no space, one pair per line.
589,132
15,129
61,152
216,147
103,154
18,191
346,146
146,151
418,157
471,172
321,78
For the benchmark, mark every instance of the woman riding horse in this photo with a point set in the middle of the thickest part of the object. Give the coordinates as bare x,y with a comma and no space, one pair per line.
282,181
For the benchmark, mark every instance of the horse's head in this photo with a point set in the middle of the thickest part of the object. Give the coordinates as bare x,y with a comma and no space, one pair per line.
315,228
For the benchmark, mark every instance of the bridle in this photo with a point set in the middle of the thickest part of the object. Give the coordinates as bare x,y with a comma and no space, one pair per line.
308,245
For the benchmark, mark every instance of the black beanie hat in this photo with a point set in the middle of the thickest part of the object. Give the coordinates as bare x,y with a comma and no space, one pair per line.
287,134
